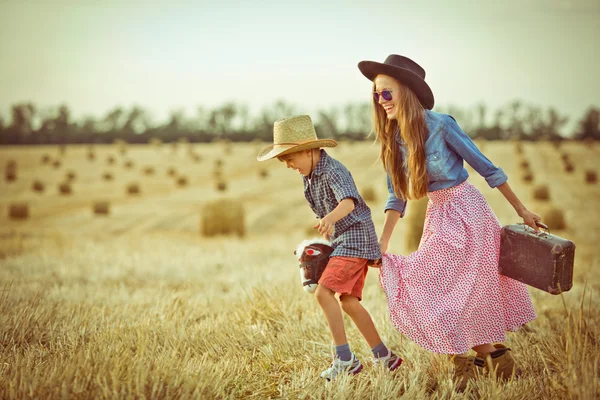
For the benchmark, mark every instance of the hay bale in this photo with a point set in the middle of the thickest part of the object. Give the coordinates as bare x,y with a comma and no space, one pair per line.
591,176
219,163
368,194
38,186
415,219
528,177
564,157
182,181
107,176
70,176
91,155
519,148
128,164
65,189
196,157
101,208
56,164
110,160
524,164
556,144
554,218
10,174
221,186
263,173
569,167
18,211
45,159
133,189
148,170
541,193
223,217
172,172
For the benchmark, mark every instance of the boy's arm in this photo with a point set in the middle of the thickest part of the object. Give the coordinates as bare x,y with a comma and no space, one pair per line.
326,224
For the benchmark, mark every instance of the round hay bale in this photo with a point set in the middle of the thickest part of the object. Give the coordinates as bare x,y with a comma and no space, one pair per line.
519,148
221,186
18,211
91,155
263,173
133,189
107,176
541,193
415,220
45,159
219,163
101,208
591,176
524,164
223,217
71,175
556,144
128,164
110,160
65,189
182,181
148,170
554,218
172,172
564,157
368,194
56,164
569,167
196,157
10,175
38,186
528,177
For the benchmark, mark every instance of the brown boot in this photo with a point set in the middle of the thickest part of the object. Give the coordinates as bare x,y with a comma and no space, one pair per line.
500,362
465,368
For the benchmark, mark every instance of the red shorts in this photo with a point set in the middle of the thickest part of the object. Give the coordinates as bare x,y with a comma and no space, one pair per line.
345,275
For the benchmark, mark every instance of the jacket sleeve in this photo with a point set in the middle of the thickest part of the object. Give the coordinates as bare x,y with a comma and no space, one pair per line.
394,203
462,144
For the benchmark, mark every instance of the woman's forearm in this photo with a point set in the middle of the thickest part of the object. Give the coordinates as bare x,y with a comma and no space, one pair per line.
512,198
391,218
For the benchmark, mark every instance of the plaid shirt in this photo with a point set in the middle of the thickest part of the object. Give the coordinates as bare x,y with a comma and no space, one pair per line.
330,183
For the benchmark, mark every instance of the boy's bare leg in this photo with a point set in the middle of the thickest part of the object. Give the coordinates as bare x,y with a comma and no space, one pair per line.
333,314
362,319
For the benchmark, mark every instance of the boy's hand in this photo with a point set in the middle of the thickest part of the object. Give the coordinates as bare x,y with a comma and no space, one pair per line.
325,226
375,263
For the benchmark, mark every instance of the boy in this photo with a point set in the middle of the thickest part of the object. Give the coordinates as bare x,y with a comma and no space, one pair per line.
345,219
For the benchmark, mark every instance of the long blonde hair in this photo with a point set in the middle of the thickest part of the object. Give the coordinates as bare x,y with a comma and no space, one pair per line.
413,131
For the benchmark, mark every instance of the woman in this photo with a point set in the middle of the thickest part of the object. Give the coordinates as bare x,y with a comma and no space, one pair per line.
448,296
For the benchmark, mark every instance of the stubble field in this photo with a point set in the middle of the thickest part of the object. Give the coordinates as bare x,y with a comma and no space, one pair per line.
137,304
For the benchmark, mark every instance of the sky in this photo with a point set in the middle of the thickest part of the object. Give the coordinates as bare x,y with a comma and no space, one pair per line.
166,55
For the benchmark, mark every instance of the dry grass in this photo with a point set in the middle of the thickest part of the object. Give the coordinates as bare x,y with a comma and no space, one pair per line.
415,218
138,305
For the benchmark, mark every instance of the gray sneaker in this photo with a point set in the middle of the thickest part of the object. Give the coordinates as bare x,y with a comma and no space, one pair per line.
338,366
391,361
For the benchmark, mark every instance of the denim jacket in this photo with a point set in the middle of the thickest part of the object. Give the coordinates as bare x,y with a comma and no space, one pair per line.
446,146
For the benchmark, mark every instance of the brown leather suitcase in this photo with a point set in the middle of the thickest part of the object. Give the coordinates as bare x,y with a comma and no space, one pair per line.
541,260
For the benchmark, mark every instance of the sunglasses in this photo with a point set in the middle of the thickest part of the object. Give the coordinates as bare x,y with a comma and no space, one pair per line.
386,94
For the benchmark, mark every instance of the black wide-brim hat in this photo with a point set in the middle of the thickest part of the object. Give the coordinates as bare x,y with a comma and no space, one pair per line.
406,71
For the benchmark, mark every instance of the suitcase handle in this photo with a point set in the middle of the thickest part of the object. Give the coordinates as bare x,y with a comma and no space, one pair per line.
541,225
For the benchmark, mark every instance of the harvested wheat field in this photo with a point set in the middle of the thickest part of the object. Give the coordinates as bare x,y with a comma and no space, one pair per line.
139,304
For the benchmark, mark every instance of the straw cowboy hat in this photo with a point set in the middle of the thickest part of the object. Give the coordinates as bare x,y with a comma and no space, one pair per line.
406,71
293,134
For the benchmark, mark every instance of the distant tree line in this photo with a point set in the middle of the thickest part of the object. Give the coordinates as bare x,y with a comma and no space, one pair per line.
232,121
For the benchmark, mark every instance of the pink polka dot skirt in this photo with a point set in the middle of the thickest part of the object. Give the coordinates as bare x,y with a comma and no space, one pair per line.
448,295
